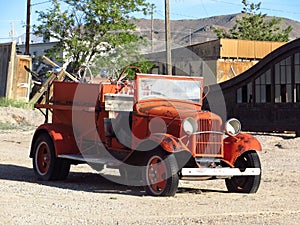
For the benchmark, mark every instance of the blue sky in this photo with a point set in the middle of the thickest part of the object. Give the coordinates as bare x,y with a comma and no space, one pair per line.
13,12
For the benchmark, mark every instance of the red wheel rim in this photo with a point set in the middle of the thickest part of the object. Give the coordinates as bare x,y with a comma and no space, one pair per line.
156,175
43,158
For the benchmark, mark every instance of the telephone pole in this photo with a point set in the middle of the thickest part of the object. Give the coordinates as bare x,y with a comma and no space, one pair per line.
12,34
168,38
152,28
27,28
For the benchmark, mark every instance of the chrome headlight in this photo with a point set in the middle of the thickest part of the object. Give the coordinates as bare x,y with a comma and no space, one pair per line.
232,127
189,125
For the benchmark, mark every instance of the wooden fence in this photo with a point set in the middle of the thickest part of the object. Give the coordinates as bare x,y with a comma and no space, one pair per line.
14,80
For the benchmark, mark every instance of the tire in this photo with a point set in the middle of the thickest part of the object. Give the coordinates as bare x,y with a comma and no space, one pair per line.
160,174
245,184
45,163
96,166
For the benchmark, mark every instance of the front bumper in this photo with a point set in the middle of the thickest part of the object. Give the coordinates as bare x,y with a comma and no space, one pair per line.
219,172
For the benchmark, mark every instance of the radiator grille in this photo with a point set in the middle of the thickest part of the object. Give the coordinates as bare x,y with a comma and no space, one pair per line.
209,144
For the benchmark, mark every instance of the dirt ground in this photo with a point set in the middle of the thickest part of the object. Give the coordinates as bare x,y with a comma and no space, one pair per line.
87,198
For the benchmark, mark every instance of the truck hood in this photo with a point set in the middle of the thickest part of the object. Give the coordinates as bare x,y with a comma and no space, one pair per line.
167,108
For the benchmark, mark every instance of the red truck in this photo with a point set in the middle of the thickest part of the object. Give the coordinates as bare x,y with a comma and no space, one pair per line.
152,129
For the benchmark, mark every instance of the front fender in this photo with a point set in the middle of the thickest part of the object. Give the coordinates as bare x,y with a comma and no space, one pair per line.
171,145
61,135
237,145
168,142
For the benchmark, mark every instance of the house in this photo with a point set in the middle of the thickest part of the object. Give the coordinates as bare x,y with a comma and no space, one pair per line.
222,59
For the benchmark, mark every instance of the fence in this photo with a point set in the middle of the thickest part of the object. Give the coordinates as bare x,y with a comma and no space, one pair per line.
14,80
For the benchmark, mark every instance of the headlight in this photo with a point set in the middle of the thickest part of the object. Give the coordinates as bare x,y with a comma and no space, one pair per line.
189,125
232,127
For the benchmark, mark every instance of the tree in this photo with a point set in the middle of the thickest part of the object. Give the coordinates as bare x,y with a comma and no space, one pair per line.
255,26
89,29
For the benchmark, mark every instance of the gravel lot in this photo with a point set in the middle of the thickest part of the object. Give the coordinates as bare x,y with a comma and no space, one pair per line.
87,198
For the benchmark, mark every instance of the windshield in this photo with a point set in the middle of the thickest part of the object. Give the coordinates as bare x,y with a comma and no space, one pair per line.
183,89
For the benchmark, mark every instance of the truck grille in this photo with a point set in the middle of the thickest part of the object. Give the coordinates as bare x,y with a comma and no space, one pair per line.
210,143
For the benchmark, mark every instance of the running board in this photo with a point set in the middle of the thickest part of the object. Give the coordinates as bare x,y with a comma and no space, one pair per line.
219,172
110,161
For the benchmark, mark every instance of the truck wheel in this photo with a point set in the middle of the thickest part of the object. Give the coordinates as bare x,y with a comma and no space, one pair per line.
45,164
160,174
245,184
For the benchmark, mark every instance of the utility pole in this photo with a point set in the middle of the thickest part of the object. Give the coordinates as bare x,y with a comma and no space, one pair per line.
27,42
168,38
152,28
190,37
12,34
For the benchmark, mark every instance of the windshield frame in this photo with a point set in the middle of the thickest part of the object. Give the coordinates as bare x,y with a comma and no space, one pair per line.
160,82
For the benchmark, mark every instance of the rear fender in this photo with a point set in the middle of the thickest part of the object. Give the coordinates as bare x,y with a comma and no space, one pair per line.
237,145
62,137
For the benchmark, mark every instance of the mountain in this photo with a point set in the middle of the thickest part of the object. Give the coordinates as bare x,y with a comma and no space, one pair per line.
188,32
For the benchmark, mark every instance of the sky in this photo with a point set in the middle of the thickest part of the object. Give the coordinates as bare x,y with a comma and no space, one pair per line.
13,12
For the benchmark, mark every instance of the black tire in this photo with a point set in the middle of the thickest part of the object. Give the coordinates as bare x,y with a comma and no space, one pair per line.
160,174
96,166
45,164
245,184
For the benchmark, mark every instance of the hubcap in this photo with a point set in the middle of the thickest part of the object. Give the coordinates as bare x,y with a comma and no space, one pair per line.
43,158
157,174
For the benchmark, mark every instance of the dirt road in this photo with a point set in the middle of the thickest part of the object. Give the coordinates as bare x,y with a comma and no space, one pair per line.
87,198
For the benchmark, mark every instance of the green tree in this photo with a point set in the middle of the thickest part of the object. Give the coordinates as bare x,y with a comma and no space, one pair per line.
120,57
255,26
87,30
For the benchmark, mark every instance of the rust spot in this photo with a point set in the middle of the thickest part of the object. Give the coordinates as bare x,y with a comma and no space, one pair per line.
240,148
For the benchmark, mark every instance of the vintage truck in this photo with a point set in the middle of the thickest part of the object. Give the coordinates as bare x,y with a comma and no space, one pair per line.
152,129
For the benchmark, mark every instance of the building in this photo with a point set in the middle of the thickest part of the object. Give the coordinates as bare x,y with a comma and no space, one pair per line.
267,96
223,58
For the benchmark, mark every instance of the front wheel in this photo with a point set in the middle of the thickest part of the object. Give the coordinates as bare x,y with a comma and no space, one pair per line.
245,184
160,174
45,163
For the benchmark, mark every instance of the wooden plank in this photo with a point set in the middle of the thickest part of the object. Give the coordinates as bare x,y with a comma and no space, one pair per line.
50,62
49,83
60,76
276,45
43,89
10,72
5,51
228,48
262,48
21,80
246,49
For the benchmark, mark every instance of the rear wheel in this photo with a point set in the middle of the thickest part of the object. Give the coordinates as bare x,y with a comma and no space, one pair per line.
245,184
45,163
160,174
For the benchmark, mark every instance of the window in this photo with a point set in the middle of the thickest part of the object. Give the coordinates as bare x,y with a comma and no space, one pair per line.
283,81
297,78
263,88
244,94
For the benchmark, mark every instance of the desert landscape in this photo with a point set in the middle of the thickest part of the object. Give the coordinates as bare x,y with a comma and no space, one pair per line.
86,197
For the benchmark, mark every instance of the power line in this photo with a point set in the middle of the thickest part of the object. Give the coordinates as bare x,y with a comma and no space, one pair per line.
204,8
40,3
280,10
176,14
262,8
